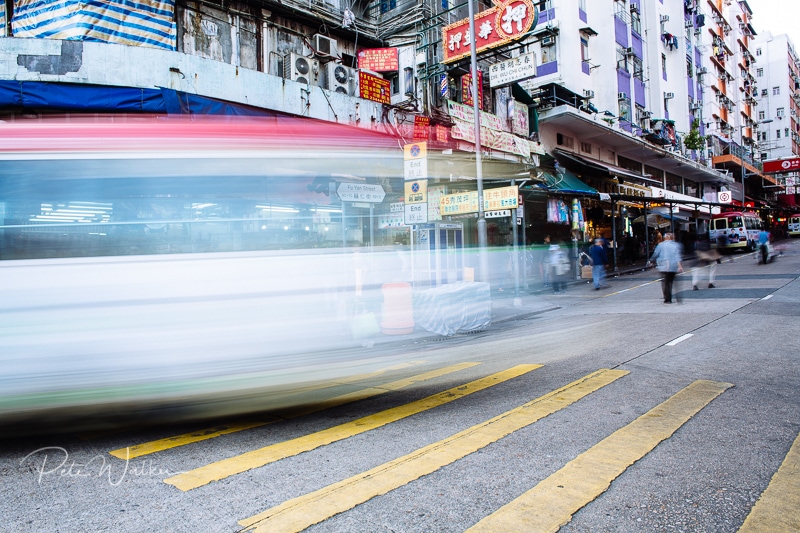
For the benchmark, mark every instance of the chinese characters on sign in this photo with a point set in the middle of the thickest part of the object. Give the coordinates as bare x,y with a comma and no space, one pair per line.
502,198
378,59
416,192
786,165
421,128
374,88
466,90
511,70
360,192
415,161
509,19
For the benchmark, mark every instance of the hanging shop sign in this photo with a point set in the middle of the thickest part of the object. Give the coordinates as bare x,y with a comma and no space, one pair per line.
783,165
501,198
378,59
508,20
374,88
422,126
466,90
458,203
497,214
511,70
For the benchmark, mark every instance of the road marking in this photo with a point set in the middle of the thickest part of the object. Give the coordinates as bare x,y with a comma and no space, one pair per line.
247,461
767,297
209,433
778,508
679,339
304,511
551,503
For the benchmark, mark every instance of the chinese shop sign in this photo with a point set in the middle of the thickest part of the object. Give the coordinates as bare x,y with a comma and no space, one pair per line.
374,88
466,90
498,199
511,70
378,59
508,20
785,165
421,128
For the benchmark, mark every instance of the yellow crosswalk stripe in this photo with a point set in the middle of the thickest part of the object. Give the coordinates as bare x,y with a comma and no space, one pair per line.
131,452
256,458
304,511
778,508
551,503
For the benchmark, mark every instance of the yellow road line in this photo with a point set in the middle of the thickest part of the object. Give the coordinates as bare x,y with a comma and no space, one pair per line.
304,511
778,508
256,458
551,503
166,443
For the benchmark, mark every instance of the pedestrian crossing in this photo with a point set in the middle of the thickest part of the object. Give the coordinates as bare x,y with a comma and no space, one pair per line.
546,506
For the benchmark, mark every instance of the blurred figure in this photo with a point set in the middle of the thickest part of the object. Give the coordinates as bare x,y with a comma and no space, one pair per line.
667,258
545,262
599,261
763,246
558,263
709,259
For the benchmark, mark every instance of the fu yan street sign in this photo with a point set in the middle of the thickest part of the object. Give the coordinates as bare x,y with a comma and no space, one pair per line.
508,20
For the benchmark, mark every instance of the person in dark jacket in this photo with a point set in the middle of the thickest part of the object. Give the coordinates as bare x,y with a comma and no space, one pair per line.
599,261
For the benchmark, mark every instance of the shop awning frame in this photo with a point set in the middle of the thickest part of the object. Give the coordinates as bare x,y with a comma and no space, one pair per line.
598,166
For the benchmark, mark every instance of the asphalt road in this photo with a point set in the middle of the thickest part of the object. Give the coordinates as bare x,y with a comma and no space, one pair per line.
588,411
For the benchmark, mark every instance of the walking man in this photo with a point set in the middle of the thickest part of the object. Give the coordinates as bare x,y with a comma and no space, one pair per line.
667,257
599,262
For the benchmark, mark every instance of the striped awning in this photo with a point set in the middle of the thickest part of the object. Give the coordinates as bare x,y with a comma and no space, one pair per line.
128,22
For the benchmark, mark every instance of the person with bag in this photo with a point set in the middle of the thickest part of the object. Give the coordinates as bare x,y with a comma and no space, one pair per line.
667,258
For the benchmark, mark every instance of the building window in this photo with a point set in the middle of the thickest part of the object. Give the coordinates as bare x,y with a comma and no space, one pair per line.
763,92
636,22
625,109
664,65
779,112
762,136
563,140
586,147
582,5
758,51
549,52
689,68
760,72
584,49
776,91
786,132
622,58
638,68
388,5
764,155
777,134
762,115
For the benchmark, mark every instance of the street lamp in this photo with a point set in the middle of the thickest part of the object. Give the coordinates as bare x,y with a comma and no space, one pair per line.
741,157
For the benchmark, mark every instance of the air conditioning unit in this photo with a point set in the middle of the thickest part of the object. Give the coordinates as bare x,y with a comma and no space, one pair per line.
669,96
588,93
634,8
340,78
548,41
301,69
701,71
646,114
694,106
664,18
325,46
622,96
629,52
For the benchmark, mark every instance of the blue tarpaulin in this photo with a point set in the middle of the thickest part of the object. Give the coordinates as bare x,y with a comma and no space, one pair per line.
44,96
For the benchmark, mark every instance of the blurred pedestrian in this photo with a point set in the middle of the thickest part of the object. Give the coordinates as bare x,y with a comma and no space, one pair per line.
709,259
668,261
599,261
763,246
558,261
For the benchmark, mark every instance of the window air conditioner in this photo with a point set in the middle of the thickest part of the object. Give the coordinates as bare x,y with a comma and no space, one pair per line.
339,78
587,93
629,51
325,46
622,96
669,96
548,41
301,69
647,114
701,71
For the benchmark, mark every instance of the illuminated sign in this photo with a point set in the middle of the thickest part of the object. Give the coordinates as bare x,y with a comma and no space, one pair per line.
508,20
374,88
783,165
422,126
378,59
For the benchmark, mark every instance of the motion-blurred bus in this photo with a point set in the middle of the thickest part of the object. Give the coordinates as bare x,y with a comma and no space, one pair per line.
735,230
161,261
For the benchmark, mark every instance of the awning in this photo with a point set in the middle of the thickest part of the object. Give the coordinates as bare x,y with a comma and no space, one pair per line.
602,168
657,220
520,94
564,181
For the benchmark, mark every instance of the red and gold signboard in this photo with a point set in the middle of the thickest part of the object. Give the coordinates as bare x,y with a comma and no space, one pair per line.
378,59
466,89
374,88
440,133
421,128
508,20
783,165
